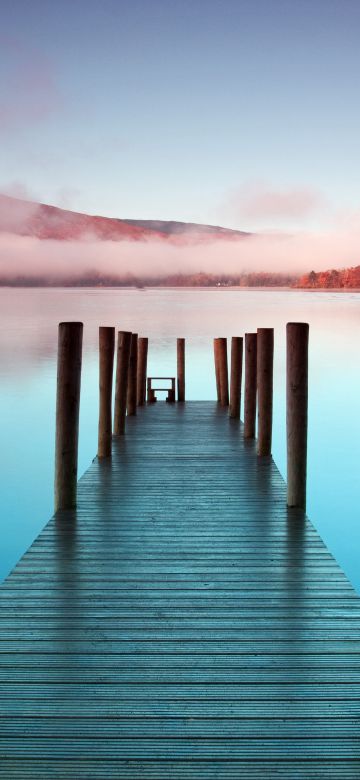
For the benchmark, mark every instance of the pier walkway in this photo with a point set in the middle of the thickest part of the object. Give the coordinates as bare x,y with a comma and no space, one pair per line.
181,623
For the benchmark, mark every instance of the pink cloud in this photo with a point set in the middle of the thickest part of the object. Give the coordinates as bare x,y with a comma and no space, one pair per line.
18,189
260,202
30,92
68,197
15,213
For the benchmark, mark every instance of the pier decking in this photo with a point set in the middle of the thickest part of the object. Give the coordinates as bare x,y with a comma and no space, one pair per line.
181,623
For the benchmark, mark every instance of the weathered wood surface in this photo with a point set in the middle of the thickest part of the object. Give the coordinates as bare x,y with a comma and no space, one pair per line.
250,385
70,336
132,376
217,369
143,346
106,366
236,376
181,623
297,346
121,381
180,356
223,370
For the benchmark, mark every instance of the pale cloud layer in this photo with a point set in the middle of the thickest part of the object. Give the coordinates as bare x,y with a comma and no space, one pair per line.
290,252
278,252
30,91
262,203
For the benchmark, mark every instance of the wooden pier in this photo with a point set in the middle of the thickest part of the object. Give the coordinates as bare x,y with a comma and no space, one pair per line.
181,623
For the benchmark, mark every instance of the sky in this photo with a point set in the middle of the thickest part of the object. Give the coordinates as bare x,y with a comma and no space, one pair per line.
244,114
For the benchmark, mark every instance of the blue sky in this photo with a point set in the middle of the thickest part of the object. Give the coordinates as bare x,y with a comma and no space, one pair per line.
241,113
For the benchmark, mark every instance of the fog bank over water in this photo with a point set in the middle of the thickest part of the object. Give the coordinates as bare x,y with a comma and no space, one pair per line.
288,253
47,243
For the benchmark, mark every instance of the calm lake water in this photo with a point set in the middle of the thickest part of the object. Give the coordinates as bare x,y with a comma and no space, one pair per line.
28,341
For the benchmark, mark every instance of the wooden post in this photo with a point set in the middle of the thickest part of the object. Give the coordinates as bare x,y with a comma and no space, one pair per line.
236,376
223,372
250,385
151,397
264,370
141,370
132,382
217,369
121,383
106,365
297,338
145,370
180,350
148,385
67,413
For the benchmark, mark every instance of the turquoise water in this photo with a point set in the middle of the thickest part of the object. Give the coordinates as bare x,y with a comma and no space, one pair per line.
28,341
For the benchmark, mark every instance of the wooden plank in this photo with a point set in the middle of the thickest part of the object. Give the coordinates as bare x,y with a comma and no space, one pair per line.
185,625
158,749
83,769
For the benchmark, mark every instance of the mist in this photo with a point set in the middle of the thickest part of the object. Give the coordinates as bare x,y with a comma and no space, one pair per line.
29,257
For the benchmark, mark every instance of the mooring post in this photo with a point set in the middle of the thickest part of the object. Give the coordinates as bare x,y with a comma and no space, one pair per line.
217,370
121,382
67,413
151,397
141,370
297,345
145,370
106,365
171,396
264,370
236,376
250,385
132,382
223,371
180,353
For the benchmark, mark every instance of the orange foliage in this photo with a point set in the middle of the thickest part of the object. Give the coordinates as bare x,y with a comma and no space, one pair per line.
344,278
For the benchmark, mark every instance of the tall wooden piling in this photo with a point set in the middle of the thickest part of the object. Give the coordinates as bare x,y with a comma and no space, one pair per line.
67,413
217,370
223,371
180,353
297,343
121,383
236,376
142,370
132,382
250,385
264,370
106,365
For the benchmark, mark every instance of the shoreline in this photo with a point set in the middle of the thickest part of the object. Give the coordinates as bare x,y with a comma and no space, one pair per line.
215,288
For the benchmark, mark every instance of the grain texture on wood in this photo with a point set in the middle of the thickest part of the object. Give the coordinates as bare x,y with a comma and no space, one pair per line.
181,623
297,338
180,355
217,370
264,372
143,343
106,365
132,380
250,385
236,376
122,379
67,413
223,371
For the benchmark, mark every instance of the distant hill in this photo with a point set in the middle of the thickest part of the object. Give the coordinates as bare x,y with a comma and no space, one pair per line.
38,220
343,278
189,229
25,218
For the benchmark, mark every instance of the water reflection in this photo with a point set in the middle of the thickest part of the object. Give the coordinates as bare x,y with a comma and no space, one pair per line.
28,342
